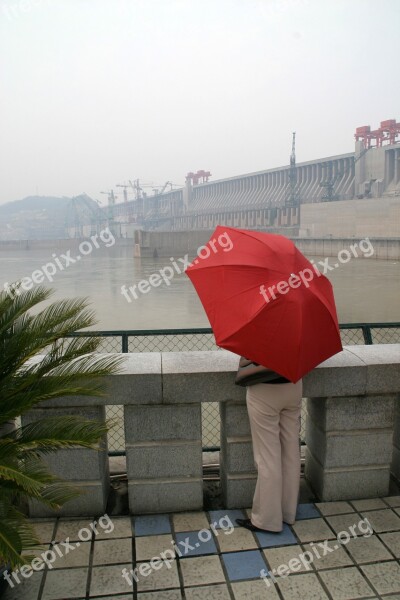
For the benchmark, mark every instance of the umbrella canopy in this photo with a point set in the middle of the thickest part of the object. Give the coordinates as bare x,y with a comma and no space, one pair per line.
266,301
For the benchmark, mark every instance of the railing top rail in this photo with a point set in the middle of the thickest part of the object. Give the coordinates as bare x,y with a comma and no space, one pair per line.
144,332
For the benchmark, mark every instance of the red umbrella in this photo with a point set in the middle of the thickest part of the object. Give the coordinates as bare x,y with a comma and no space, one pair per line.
266,301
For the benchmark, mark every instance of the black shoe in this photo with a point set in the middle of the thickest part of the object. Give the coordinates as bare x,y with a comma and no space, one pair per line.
249,525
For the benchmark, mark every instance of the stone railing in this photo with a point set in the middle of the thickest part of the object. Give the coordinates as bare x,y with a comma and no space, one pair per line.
353,430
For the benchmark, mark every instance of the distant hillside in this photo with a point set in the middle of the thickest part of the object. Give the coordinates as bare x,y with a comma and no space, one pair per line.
48,203
46,217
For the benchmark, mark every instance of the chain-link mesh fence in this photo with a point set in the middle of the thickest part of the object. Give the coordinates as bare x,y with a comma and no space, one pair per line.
385,335
352,337
203,339
178,342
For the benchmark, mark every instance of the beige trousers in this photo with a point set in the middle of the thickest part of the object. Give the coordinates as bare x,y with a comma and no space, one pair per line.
274,413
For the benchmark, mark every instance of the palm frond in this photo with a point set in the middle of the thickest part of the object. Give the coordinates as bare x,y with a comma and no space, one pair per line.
38,363
60,432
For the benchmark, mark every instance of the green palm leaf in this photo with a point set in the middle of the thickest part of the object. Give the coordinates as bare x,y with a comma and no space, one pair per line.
38,363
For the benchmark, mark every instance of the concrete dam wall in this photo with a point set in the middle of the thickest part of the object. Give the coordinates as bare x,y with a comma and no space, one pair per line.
178,243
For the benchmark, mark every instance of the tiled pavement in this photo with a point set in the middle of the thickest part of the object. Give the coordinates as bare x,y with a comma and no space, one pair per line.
211,562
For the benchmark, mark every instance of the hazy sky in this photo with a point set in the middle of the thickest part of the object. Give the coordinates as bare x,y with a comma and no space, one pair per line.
96,92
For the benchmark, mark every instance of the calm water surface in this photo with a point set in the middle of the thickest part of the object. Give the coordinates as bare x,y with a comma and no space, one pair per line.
366,290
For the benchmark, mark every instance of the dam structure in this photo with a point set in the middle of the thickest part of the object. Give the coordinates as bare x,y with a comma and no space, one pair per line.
291,198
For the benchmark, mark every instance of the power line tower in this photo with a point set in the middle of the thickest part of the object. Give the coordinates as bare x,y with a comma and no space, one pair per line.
292,195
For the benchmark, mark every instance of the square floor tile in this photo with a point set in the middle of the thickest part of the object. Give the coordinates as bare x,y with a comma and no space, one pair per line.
208,592
190,543
116,527
28,589
334,508
78,557
301,587
281,556
284,538
312,530
164,595
365,550
222,516
328,555
74,529
64,584
44,530
190,521
392,500
369,504
108,552
385,577
152,525
307,511
244,565
162,578
346,584
239,539
150,546
37,551
383,520
109,580
348,524
392,541
255,589
201,570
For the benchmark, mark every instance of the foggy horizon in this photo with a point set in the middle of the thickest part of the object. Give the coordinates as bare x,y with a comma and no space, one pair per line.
99,93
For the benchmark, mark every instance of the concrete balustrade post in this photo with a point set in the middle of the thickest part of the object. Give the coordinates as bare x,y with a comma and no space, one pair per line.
351,414
205,377
86,469
349,446
164,457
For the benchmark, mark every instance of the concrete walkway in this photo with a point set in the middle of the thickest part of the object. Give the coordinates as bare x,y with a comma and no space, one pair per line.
336,550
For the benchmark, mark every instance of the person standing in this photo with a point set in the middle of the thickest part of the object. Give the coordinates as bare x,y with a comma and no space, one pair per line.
274,409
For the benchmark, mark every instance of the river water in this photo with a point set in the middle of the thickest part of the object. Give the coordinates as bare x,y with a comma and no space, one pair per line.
366,290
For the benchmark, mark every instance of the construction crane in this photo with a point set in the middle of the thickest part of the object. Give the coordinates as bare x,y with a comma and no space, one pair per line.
111,203
331,180
292,198
138,188
158,192
125,192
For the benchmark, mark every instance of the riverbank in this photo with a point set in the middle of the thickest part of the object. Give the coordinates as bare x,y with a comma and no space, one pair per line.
155,244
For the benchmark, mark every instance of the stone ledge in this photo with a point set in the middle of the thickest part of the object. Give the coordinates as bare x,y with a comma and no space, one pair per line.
190,377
